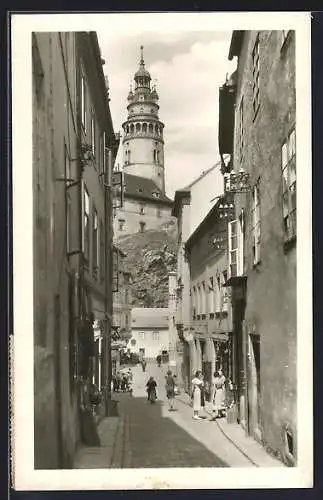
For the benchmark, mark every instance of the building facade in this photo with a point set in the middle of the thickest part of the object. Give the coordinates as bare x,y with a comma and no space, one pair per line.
146,205
210,305
257,115
149,332
74,147
191,206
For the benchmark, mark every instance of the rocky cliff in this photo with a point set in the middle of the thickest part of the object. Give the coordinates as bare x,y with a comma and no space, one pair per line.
150,256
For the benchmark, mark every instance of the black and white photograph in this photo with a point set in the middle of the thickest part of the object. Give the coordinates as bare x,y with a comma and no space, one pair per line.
161,248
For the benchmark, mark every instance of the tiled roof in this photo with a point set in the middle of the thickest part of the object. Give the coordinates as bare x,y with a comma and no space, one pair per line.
149,317
143,188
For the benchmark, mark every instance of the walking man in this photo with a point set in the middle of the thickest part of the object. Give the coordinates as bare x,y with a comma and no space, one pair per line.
170,390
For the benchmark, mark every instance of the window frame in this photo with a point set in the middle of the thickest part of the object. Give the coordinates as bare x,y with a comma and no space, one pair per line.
83,100
86,235
95,242
288,166
256,224
256,77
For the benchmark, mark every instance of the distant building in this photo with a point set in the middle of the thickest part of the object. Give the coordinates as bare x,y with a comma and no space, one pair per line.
149,332
146,205
257,130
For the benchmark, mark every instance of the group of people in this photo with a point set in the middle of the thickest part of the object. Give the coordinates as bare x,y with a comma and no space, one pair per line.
170,387
122,381
217,394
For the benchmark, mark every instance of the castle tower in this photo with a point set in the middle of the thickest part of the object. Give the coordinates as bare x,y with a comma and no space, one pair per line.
143,143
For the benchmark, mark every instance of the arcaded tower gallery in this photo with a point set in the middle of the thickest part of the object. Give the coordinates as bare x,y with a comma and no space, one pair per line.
145,204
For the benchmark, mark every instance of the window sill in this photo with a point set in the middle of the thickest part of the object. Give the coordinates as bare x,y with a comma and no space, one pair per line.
289,244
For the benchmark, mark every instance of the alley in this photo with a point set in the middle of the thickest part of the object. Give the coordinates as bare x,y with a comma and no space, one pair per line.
146,435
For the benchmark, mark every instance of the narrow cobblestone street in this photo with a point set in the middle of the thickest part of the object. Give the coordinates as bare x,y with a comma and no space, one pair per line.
145,435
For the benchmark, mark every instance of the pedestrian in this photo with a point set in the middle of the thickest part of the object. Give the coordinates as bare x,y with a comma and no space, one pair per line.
114,382
118,381
170,389
197,385
151,390
143,364
159,359
124,383
218,394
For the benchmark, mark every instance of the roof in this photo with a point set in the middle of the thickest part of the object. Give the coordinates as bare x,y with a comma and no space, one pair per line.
236,43
203,174
179,195
195,235
143,188
149,317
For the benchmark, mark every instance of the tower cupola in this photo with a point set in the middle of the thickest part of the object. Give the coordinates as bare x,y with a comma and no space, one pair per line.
142,76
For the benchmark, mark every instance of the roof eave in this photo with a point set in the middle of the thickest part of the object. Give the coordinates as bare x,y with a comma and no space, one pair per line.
236,44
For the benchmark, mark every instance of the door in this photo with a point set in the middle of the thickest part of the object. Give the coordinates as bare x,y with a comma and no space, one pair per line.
254,384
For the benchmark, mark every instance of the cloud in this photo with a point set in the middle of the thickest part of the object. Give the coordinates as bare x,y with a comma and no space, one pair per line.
189,66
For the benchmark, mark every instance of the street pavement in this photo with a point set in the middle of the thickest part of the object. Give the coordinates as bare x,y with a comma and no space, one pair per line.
149,435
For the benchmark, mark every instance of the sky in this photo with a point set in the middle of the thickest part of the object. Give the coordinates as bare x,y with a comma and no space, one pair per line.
188,68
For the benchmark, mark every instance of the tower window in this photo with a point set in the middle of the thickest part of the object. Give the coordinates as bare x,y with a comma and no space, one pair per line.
142,210
142,226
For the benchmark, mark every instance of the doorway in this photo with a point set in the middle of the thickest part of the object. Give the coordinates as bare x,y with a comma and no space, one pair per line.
254,385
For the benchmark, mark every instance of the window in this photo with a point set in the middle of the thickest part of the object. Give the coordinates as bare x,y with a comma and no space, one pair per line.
217,294
83,101
141,335
224,294
95,243
203,298
102,251
155,335
284,36
156,194
211,295
93,133
142,226
233,248
68,176
121,224
255,77
256,224
142,210
86,224
241,133
289,185
193,295
236,246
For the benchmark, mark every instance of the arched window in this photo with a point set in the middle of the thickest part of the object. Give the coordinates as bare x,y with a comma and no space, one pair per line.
127,129
151,128
144,128
129,156
132,128
156,129
138,127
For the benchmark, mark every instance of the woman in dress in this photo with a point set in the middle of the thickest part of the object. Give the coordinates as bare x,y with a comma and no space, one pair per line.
197,386
170,390
218,394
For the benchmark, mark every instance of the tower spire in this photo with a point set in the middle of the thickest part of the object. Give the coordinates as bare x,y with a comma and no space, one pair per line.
142,62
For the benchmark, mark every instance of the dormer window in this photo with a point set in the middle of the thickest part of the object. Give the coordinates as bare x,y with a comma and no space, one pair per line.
156,194
139,190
